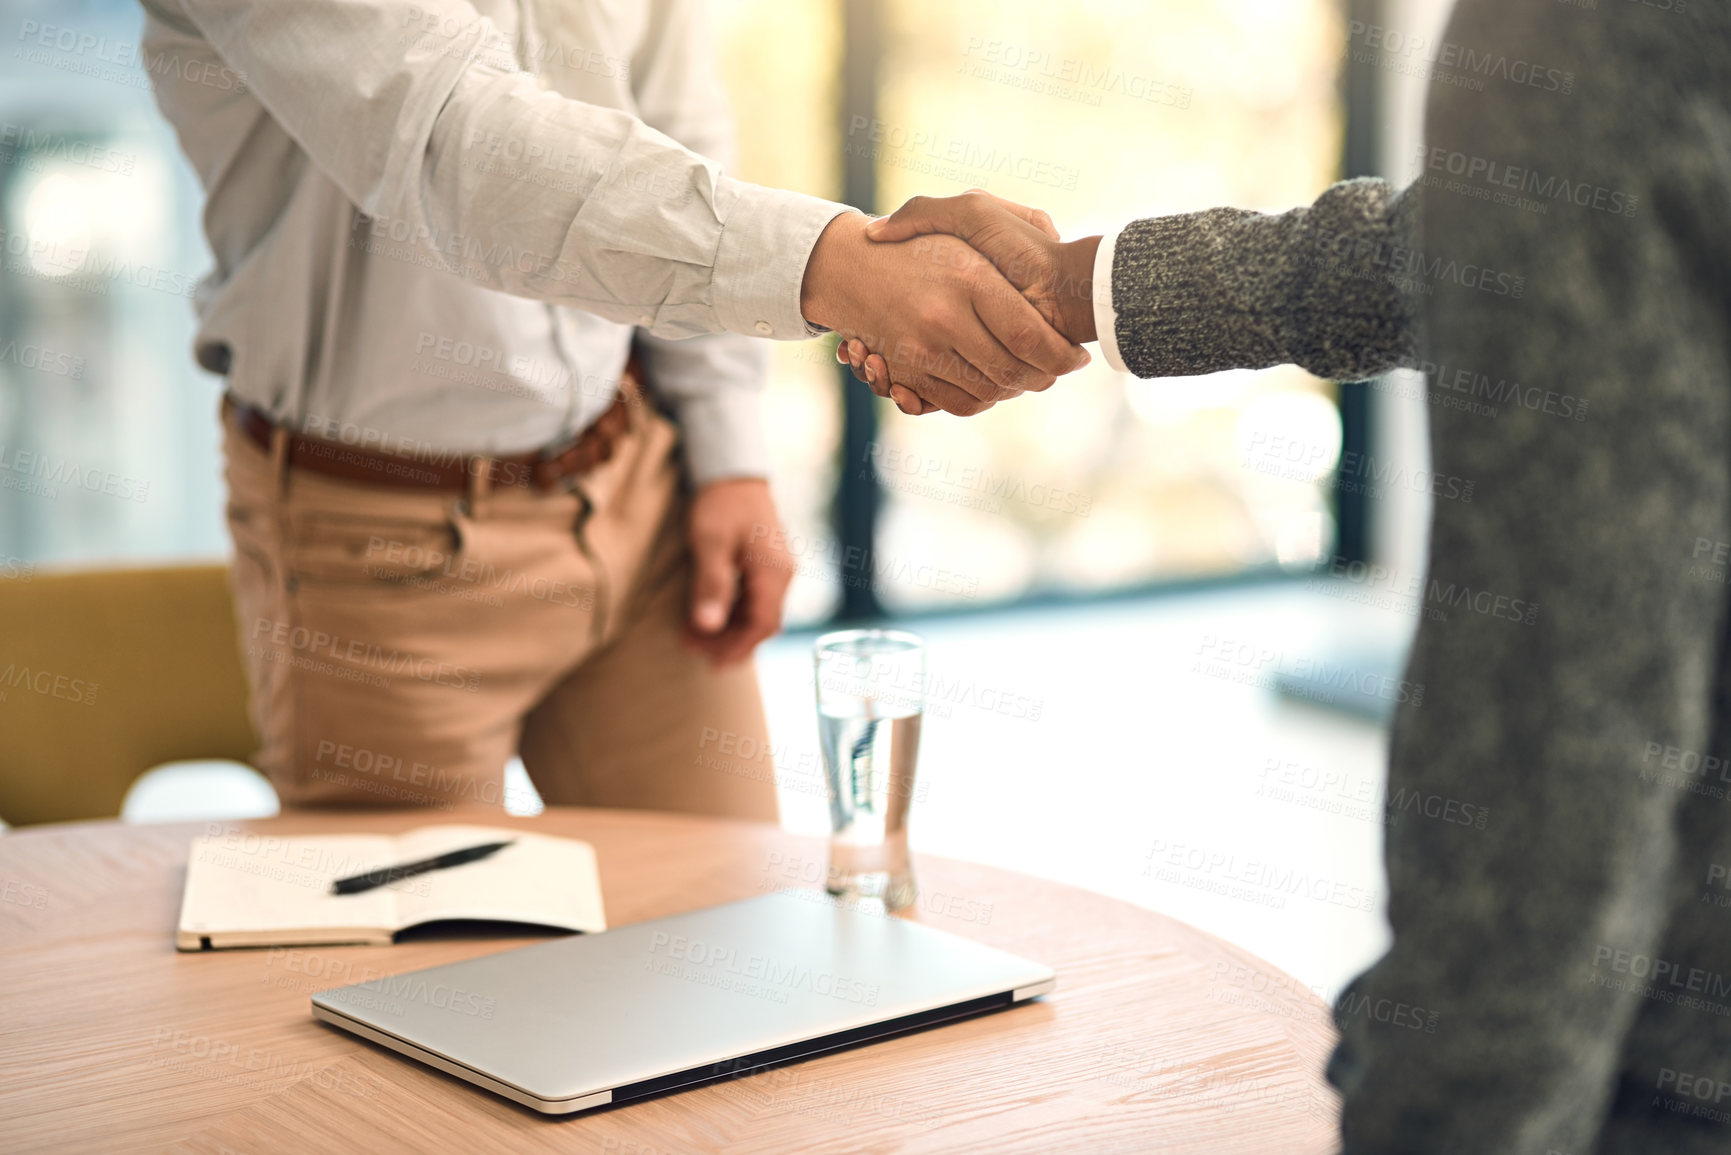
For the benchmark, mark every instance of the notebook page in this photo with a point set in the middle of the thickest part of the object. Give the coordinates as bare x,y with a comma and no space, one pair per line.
538,879
256,883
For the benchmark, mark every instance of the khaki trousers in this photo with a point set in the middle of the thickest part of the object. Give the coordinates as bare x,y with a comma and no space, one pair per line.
402,644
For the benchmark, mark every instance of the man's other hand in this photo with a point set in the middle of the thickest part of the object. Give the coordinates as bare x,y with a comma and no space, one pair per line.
742,569
949,326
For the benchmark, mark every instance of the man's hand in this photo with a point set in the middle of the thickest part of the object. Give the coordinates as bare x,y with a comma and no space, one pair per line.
1057,278
742,569
945,321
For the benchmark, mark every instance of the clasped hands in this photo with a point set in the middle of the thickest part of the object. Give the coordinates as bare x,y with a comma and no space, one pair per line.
954,303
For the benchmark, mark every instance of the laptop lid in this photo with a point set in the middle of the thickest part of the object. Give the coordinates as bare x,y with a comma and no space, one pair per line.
586,1021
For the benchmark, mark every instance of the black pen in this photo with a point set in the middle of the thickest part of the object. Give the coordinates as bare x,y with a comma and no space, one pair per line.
385,875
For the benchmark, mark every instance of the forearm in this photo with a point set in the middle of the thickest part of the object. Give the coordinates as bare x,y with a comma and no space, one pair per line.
632,226
454,150
1328,288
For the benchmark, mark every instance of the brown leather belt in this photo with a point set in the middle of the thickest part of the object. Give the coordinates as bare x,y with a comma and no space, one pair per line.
543,471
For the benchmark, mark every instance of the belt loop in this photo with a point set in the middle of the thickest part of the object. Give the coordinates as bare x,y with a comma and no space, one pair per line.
480,486
631,389
580,535
279,459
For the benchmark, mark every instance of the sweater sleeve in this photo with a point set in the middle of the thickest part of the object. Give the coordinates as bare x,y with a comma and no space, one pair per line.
1332,287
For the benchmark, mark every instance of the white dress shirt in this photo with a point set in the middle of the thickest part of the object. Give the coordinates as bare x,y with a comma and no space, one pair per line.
1105,312
437,223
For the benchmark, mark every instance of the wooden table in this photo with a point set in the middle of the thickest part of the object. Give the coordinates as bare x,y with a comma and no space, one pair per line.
1158,1038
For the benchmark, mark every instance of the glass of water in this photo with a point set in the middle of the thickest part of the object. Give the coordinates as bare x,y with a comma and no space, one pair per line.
871,687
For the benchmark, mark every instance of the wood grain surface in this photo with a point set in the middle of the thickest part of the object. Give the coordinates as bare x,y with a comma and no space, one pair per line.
1159,1038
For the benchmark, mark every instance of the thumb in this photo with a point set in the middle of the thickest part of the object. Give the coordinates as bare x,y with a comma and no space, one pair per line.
921,215
715,585
961,216
1039,218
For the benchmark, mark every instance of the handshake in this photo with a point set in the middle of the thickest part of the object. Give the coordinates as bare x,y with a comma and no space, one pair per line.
955,303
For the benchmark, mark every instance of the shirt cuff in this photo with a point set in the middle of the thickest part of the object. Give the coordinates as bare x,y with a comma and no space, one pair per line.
723,434
766,243
1105,313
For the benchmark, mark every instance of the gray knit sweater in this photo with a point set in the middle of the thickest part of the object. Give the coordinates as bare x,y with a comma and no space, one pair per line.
1325,287
1574,954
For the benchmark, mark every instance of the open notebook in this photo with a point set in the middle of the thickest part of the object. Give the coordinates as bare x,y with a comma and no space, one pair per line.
249,889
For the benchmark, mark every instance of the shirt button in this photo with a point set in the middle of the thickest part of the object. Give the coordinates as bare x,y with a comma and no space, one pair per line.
765,328
646,320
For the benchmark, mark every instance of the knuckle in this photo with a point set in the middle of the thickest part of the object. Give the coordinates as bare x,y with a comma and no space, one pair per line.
711,549
1023,341
1051,347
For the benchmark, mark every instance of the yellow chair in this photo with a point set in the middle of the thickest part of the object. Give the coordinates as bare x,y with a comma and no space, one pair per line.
107,673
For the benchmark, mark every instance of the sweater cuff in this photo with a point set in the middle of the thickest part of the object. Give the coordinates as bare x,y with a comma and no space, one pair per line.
1105,312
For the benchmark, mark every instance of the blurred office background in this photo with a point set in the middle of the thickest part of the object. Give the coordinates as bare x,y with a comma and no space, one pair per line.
1085,555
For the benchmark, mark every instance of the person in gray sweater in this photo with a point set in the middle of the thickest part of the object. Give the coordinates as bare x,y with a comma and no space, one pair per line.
1575,246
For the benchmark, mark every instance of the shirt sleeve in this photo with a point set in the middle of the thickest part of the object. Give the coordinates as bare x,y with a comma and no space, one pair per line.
714,385
1331,287
416,110
714,382
1105,312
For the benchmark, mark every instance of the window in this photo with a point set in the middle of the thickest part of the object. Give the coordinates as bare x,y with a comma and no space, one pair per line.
1099,111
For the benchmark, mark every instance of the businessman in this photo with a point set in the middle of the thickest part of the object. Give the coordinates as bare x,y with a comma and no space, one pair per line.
465,256
1577,951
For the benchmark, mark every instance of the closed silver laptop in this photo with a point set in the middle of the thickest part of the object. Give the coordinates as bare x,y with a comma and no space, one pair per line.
584,1022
